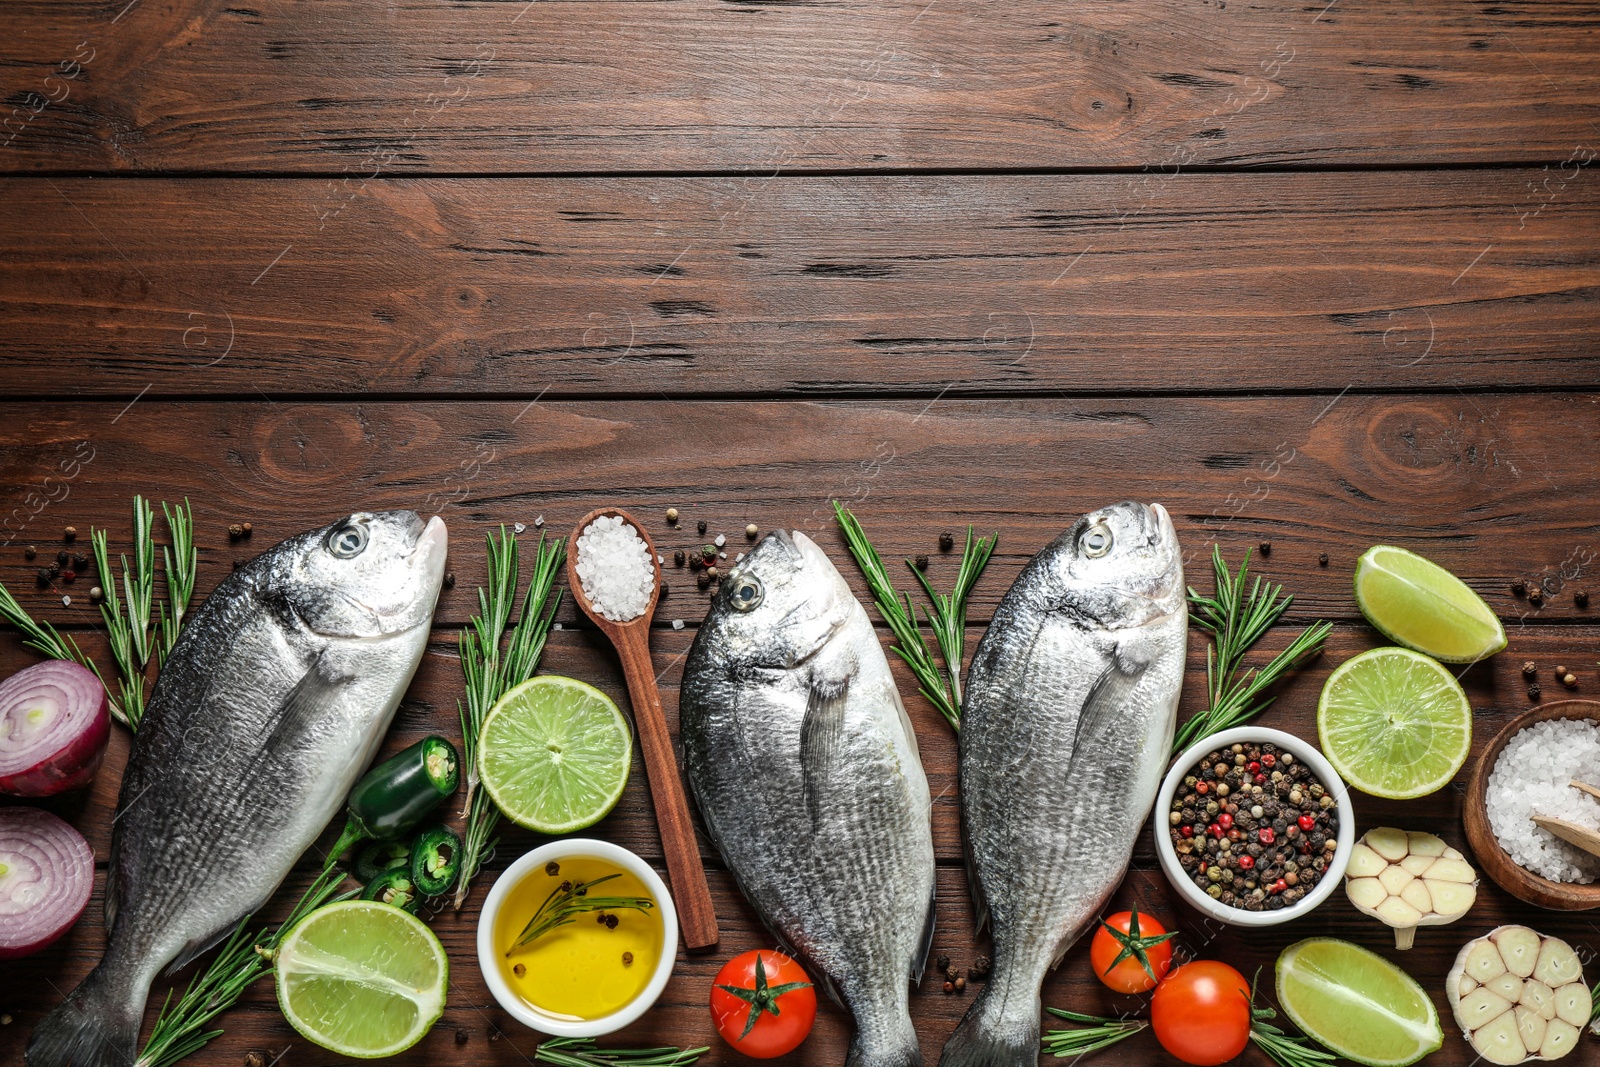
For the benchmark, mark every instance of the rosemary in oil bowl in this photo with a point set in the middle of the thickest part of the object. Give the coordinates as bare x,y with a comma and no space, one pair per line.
571,899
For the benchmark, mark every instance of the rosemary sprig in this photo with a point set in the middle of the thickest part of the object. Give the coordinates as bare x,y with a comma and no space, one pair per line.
490,671
178,563
570,899
581,1052
1236,620
41,636
1282,1049
180,1029
1099,1032
947,617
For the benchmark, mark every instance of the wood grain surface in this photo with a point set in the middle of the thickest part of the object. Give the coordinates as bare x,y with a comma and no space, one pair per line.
339,87
927,286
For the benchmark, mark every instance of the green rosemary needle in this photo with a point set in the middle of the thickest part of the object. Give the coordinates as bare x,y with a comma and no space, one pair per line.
570,899
1282,1049
490,670
947,617
581,1052
1098,1032
1236,620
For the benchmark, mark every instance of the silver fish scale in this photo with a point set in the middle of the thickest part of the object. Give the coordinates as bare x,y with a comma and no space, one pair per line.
837,857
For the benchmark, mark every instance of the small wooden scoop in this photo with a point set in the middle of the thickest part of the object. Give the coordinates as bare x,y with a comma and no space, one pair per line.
1582,836
696,917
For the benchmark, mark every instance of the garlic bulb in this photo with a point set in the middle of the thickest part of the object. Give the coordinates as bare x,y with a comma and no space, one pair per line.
1518,995
1409,879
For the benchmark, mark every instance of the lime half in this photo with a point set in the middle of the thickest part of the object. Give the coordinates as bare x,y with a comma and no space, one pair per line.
362,979
1417,603
1357,1003
554,754
1394,723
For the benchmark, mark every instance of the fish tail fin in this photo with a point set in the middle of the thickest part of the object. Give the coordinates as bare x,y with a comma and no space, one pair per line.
990,1036
899,1048
91,1028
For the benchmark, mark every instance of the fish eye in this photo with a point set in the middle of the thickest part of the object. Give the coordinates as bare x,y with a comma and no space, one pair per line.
1096,540
746,593
348,540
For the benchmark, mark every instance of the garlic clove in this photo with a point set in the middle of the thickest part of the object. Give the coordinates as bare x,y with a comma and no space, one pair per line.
1366,892
1448,870
1483,960
1498,1041
1420,844
1519,947
1539,997
1394,879
1557,964
1572,1004
1530,1027
1389,843
1396,912
1452,854
1417,865
1559,1039
1364,863
1454,899
1480,1006
1416,894
1508,986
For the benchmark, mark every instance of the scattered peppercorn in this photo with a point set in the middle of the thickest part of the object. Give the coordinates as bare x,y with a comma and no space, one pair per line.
1519,587
701,526
519,970
43,575
461,1035
1560,670
449,579
712,574
980,967
80,562
961,985
702,579
665,589
1536,595
97,594
627,959
672,515
1322,560
1533,691
949,987
922,563
69,575
751,531
611,922
63,557
1529,668
1570,681
552,868
1266,548
29,552
1581,598
235,532
248,529
947,541
254,1059
708,552
943,963
677,558
70,533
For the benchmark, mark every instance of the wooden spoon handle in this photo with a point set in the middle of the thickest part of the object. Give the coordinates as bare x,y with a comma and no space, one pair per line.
696,916
1582,836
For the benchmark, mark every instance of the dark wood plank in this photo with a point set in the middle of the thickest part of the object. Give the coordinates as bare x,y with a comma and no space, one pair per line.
344,87
1495,487
840,286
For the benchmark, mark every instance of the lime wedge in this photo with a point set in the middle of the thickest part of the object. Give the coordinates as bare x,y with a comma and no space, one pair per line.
1394,723
1356,1003
1417,603
554,754
362,979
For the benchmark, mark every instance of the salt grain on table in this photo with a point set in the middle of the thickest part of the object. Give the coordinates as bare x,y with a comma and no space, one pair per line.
1533,777
615,569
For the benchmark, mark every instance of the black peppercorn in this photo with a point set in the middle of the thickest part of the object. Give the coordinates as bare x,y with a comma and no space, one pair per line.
980,967
922,563
1322,560
665,589
63,557
701,526
1581,599
677,558
1533,691
80,562
1266,548
943,963
449,579
703,580
1519,587
461,1035
29,552
43,575
947,541
235,532
552,868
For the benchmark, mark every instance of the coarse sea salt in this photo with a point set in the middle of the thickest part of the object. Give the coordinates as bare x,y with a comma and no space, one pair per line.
615,569
1532,777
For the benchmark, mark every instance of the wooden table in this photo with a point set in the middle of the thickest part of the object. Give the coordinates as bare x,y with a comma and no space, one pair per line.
1320,275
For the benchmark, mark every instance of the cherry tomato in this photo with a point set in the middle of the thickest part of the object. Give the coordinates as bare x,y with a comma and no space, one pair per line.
763,1003
1131,952
1201,1013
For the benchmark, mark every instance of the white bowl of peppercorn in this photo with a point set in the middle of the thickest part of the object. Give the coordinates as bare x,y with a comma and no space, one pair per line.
1253,826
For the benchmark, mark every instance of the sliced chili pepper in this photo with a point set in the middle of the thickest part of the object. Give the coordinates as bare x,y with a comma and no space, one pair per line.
393,887
396,795
436,860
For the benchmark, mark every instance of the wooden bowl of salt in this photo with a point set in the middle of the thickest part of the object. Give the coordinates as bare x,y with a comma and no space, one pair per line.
1494,860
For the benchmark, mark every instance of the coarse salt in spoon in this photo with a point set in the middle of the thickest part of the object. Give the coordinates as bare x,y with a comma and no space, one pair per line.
607,575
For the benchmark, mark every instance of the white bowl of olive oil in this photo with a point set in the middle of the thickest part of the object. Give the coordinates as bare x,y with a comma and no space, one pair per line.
577,938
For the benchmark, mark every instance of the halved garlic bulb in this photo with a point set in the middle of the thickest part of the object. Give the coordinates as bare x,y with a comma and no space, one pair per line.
1409,879
1518,995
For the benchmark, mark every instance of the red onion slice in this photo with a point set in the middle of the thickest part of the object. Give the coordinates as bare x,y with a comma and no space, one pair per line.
46,875
54,725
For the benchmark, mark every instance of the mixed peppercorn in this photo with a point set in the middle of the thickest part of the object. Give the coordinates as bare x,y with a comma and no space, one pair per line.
1253,827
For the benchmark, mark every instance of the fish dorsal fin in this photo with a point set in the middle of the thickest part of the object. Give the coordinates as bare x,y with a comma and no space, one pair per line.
308,700
821,737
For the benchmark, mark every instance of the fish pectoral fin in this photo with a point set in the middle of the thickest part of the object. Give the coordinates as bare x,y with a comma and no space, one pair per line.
919,962
308,699
1107,701
821,737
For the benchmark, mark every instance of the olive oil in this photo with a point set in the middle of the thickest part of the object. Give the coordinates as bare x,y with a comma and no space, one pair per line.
594,965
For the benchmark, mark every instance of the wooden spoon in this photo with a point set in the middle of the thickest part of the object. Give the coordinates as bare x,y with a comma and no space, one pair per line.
696,917
1585,787
1582,836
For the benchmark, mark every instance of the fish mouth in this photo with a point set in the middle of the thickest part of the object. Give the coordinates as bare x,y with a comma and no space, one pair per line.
1159,521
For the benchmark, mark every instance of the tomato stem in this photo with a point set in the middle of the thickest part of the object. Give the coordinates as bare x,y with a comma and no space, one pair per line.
1135,946
763,997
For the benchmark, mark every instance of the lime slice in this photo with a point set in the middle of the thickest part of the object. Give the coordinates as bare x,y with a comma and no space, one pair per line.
1417,603
1357,1003
1394,723
554,754
362,979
